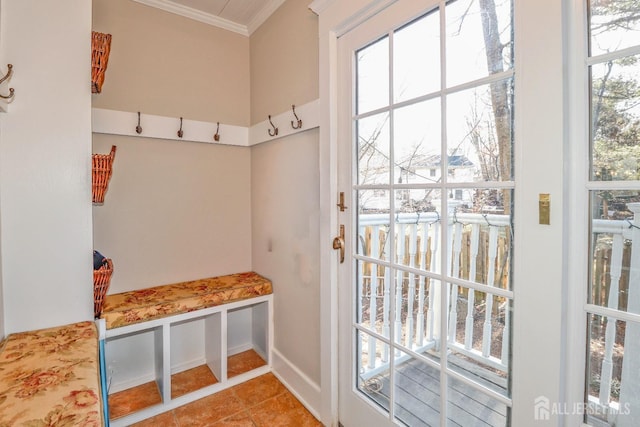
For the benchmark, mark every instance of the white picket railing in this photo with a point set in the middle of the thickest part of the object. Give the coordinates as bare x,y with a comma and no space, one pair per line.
416,322
477,242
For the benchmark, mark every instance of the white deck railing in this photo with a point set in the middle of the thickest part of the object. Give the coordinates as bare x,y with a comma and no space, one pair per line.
480,250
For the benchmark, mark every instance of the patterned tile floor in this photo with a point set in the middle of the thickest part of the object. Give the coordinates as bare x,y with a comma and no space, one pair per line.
259,402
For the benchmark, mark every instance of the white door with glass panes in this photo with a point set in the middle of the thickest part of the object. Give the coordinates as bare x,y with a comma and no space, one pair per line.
457,125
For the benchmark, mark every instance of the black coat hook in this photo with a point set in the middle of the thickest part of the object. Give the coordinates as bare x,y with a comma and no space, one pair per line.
293,107
275,129
216,137
138,128
180,133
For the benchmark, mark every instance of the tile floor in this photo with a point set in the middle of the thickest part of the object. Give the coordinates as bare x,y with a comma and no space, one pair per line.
260,402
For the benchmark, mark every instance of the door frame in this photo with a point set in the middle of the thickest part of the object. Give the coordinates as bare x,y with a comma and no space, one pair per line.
335,19
539,340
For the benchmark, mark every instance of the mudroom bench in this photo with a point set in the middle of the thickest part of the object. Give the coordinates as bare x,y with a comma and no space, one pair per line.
155,333
51,377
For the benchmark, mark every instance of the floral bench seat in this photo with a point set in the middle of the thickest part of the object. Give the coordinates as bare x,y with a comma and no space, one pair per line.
161,301
50,377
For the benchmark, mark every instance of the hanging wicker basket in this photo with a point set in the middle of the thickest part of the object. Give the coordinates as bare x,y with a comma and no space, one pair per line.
101,174
100,48
101,281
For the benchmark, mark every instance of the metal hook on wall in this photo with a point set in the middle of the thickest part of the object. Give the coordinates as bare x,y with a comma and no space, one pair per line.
299,120
216,137
138,128
180,132
275,129
3,79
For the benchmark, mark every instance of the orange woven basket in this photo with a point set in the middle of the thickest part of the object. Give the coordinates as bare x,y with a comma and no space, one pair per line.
100,48
101,174
101,281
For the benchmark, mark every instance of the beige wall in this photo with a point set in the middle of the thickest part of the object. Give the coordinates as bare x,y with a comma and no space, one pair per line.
285,192
174,210
284,61
168,65
285,220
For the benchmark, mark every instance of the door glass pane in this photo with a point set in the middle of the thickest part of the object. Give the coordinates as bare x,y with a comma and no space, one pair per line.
373,149
481,236
374,297
374,218
478,40
479,133
467,406
418,228
416,66
372,76
372,370
417,391
615,119
612,372
416,306
615,269
417,143
479,333
614,25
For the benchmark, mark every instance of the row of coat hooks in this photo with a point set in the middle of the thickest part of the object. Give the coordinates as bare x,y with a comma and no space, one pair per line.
180,133
296,125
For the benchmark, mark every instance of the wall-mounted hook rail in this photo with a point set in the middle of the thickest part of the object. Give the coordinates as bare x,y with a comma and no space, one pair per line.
6,77
138,128
180,132
216,137
275,129
299,120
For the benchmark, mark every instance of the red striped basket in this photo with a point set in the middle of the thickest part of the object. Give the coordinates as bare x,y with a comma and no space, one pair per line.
101,281
102,169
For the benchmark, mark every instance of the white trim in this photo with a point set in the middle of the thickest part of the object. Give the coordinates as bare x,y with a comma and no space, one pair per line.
196,15
263,14
307,391
318,6
577,214
308,113
124,123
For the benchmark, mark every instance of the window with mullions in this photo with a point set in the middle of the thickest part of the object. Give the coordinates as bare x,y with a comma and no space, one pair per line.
613,311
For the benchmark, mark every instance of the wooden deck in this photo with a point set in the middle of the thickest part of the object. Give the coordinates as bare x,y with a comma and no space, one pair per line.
417,399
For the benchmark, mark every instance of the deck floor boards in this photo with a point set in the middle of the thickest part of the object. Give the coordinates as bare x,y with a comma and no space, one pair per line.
417,400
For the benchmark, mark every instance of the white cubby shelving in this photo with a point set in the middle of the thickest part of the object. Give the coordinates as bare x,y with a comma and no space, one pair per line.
157,349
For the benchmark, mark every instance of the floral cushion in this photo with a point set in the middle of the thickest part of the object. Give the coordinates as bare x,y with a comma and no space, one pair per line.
161,301
50,377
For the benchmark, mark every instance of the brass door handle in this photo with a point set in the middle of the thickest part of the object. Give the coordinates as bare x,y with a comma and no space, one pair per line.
338,243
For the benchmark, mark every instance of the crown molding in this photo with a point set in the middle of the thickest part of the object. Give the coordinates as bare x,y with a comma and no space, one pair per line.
317,6
198,15
263,15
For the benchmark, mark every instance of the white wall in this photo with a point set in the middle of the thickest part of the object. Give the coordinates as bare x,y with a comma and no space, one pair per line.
45,149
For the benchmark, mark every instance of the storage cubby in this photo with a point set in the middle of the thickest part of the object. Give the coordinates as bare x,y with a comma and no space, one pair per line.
247,338
187,356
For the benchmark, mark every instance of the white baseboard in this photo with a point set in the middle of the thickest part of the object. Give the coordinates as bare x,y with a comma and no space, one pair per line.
298,383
